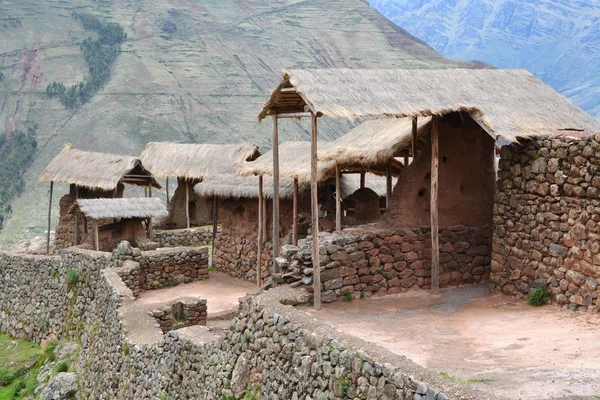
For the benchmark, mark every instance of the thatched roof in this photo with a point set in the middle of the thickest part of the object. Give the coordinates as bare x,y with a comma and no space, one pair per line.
95,170
235,186
143,207
196,161
508,103
375,142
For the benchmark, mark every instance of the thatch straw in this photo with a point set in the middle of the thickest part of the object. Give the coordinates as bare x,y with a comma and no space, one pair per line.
196,161
91,170
233,186
143,207
374,142
508,103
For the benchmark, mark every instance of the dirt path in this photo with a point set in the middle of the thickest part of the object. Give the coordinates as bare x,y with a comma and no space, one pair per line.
521,351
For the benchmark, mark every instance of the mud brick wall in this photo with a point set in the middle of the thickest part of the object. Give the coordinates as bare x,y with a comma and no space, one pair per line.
546,216
171,266
383,262
187,311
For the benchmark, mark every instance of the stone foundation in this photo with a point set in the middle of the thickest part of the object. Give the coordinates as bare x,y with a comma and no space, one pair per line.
180,313
362,263
185,237
546,218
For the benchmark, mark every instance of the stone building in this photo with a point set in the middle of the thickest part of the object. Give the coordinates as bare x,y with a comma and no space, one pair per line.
190,164
90,175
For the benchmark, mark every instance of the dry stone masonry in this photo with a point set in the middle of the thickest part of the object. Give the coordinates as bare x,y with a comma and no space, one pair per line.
366,263
201,236
180,313
546,220
236,256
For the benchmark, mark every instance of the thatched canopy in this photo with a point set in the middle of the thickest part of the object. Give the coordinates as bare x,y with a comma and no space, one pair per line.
375,142
294,162
508,103
235,186
196,161
129,208
96,170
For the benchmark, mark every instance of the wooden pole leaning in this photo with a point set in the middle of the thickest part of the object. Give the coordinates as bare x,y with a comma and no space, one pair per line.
338,199
295,215
49,218
315,215
435,244
275,237
260,233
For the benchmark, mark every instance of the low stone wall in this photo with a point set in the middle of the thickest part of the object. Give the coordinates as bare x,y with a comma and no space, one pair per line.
363,263
187,311
130,275
201,236
546,220
237,256
270,349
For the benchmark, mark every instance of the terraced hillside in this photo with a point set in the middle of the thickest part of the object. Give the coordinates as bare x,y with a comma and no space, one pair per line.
189,71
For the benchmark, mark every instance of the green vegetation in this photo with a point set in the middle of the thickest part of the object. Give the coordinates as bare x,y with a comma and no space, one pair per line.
344,386
253,394
16,151
463,381
347,297
61,367
538,297
19,364
228,397
73,277
246,336
99,55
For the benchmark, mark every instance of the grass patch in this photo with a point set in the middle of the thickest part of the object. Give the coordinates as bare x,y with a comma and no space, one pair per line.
20,362
61,367
467,381
538,297
73,277
344,386
347,297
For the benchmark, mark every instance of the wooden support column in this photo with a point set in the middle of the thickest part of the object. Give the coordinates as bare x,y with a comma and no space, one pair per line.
49,218
338,199
187,204
414,138
85,225
406,161
96,240
435,245
264,220
295,215
214,235
76,229
149,191
315,215
260,233
167,186
275,237
362,180
388,184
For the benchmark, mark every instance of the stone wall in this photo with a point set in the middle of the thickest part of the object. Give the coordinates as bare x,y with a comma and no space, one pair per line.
201,236
270,349
363,263
546,216
187,311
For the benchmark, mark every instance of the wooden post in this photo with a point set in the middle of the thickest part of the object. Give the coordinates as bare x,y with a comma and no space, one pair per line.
435,245
275,237
85,225
49,218
362,180
405,161
214,235
149,228
149,191
295,215
187,204
338,199
260,233
414,139
388,184
96,240
264,221
76,229
167,186
315,216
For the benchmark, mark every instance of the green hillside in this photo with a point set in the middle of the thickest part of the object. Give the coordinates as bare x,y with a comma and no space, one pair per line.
188,71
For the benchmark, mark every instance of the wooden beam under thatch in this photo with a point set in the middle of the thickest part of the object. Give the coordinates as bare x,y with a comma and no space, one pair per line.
507,103
196,161
95,170
234,186
129,208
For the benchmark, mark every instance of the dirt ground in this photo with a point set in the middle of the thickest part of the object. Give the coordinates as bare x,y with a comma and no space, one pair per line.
517,350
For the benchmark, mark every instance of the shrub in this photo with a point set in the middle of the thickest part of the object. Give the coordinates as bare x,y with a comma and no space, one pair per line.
61,367
347,297
72,277
538,297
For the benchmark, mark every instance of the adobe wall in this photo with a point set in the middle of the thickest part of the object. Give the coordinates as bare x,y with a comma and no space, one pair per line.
270,349
546,217
108,239
466,179
200,212
368,261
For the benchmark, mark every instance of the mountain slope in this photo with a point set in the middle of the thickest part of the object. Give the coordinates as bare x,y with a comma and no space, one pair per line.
190,71
557,40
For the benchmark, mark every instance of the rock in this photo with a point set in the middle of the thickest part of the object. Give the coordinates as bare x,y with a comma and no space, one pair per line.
62,386
557,250
575,277
288,251
240,376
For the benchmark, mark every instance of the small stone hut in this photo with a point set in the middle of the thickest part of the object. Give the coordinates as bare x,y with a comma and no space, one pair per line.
90,175
190,163
127,216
